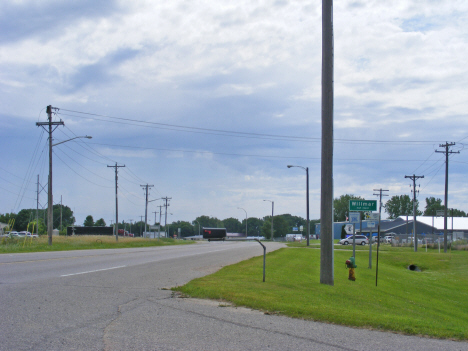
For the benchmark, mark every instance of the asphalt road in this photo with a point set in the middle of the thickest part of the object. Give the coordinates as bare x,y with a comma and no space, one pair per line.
116,300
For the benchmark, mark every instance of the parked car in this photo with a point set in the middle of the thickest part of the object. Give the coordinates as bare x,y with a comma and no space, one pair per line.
388,239
360,240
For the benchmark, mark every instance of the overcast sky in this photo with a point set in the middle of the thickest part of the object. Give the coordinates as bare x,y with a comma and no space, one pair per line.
209,101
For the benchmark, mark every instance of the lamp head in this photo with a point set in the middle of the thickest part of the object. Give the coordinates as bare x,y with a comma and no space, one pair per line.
289,166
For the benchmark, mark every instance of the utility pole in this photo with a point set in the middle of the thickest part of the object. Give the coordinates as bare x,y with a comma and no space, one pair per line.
116,202
415,236
380,194
61,204
37,207
447,152
326,200
155,214
141,220
146,202
50,210
165,221
159,227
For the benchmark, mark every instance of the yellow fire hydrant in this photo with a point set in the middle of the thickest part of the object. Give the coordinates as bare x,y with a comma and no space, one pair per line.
351,264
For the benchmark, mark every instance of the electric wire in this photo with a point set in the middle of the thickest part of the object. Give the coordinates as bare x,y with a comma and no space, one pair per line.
29,172
237,133
86,146
89,181
252,155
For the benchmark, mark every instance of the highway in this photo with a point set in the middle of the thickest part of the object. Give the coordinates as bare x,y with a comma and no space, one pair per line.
119,300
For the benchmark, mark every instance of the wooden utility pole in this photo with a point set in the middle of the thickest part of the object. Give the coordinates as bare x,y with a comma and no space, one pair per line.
447,153
146,202
326,201
415,236
50,208
116,202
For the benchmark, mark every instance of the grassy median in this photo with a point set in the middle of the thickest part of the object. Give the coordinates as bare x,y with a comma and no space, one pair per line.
432,302
80,242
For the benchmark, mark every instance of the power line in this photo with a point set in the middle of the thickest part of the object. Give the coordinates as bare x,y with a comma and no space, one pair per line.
250,155
237,133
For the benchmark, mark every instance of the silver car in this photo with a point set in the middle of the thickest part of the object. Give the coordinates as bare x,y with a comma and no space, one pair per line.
360,240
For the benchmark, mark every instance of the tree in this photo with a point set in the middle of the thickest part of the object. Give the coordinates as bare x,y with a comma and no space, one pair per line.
6,218
209,222
23,218
266,228
186,229
232,225
281,227
89,221
401,205
341,206
457,213
343,231
432,206
67,216
100,223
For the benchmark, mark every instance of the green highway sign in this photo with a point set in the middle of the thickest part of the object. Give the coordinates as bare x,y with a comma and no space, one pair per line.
363,205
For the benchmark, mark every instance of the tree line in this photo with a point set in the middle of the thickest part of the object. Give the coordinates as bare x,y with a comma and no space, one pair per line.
398,205
283,224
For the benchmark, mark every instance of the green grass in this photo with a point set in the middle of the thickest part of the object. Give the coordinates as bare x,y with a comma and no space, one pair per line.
433,302
81,242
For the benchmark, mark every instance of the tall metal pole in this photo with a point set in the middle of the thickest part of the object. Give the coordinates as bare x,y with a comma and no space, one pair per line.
326,200
240,208
272,207
272,216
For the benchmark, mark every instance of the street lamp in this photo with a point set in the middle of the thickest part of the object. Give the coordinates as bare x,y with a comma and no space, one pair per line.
307,197
50,209
272,206
198,226
240,208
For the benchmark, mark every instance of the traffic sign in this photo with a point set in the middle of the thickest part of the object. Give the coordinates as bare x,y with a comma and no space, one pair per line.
354,217
374,216
362,205
370,224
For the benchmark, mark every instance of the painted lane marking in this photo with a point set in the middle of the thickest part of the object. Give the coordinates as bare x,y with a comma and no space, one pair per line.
97,270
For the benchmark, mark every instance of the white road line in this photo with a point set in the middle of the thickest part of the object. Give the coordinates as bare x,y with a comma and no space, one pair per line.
97,270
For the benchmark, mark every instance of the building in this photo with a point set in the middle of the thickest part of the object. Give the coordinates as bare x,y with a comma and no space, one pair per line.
401,226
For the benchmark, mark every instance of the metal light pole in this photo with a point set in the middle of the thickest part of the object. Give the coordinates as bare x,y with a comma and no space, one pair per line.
198,226
50,210
307,198
240,208
272,207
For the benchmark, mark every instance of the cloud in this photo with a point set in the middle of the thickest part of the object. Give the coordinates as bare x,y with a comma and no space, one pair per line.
20,20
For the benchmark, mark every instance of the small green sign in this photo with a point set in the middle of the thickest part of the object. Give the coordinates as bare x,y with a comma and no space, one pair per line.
363,205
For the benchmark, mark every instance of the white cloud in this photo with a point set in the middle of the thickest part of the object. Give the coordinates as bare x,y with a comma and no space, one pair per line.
246,66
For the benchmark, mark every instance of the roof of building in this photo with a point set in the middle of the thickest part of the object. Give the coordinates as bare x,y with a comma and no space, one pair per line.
459,223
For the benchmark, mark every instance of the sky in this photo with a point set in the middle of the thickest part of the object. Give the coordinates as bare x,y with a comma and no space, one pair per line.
209,101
